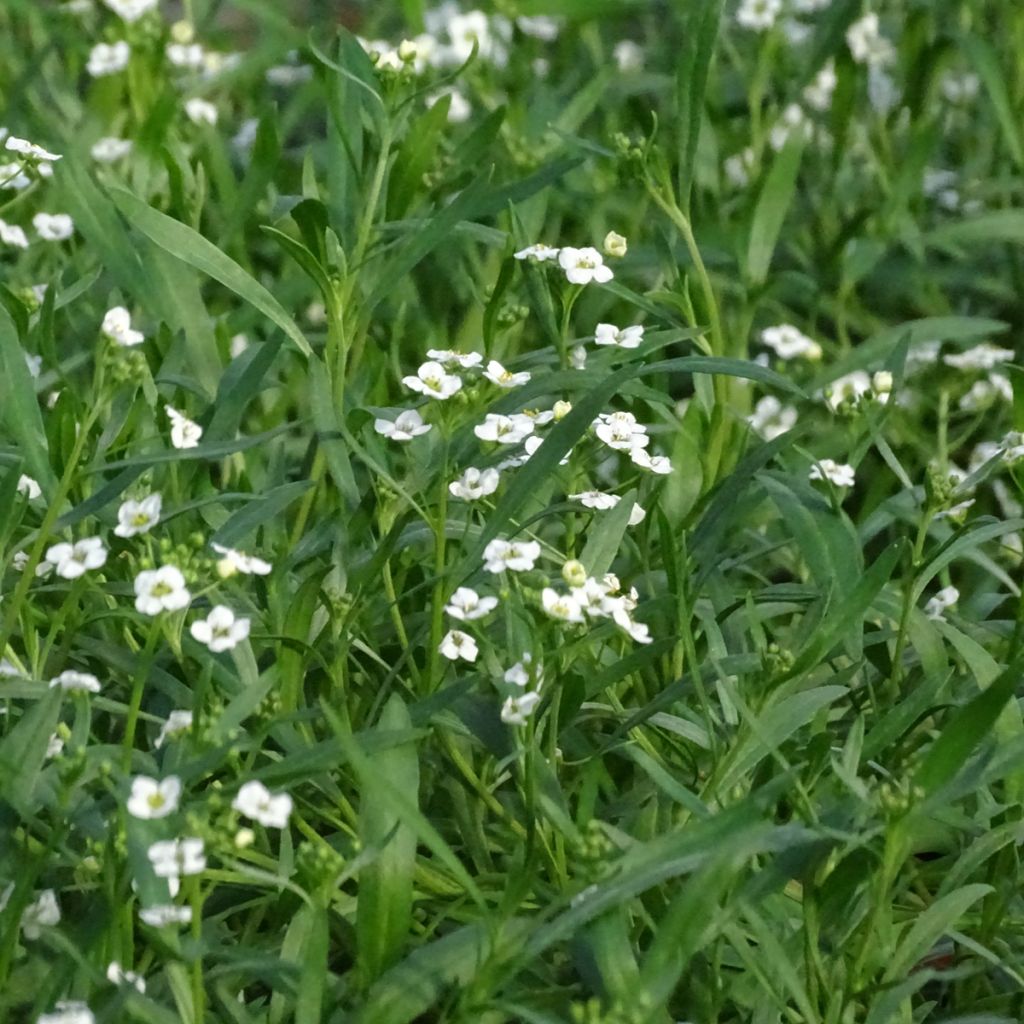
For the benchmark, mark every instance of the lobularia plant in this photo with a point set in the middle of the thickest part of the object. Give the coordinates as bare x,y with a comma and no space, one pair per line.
511,515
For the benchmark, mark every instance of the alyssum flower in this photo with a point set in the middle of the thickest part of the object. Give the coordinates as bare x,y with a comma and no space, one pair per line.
220,630
621,337
135,517
404,427
255,801
117,326
516,556
582,266
475,484
74,560
159,590
432,380
457,644
152,798
466,604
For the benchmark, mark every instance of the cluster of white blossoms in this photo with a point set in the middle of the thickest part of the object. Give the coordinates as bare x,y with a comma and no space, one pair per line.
857,387
588,597
581,266
839,474
867,44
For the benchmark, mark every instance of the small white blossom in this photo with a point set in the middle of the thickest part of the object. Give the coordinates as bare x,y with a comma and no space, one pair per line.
516,710
176,858
561,606
504,429
29,487
940,602
582,266
791,121
117,326
42,912
621,431
151,798
866,42
110,149
538,252
255,801
160,590
11,234
71,681
185,55
135,517
184,432
117,975
984,392
578,357
432,380
457,644
985,356
516,556
849,388
465,360
108,58
13,176
628,56
771,418
220,630
622,337
788,342
177,722
596,499
637,631
30,150
959,88
200,111
74,560
758,15
659,464
131,10
232,561
818,95
475,484
164,914
404,427
53,227
466,605
840,474
497,374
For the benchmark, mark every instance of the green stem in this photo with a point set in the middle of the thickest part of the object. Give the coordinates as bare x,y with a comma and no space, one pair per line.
440,583
138,686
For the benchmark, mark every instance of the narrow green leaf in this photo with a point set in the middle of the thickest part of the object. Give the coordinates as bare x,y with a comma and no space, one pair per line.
771,208
986,62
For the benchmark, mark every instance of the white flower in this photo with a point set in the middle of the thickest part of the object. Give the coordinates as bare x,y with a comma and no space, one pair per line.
177,722
432,381
851,387
159,590
628,56
117,326
582,266
792,120
108,58
758,15
55,746
68,1011
516,556
239,344
53,227
200,111
466,605
623,337
135,517
11,234
255,801
621,431
164,914
578,357
175,858
959,88
29,486
220,630
233,561
615,245
185,55
840,474
519,673
74,560
150,798
561,606
131,10
110,149
475,484
457,644
771,418
944,599
788,342
659,464
538,252
504,429
404,427
867,44
539,26
497,374
516,710
985,356
984,392
637,631
467,360
184,432
42,912
117,975
34,363
13,176
30,150
637,515
596,499
70,680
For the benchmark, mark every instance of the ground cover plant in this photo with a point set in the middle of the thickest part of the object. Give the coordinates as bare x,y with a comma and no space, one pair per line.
511,515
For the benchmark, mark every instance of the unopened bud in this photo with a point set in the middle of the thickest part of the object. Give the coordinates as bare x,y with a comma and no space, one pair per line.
614,244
